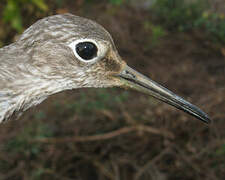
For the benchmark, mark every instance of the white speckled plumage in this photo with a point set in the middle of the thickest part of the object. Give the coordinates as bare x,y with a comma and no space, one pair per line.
40,62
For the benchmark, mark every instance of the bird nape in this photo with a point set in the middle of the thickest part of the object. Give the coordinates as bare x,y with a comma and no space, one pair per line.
64,52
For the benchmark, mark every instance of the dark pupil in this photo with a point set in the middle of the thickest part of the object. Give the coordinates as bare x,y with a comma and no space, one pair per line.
86,50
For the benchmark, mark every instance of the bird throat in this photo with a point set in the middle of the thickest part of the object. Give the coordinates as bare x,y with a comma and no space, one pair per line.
17,99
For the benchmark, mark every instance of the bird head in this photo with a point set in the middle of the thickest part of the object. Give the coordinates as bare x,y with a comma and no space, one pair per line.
78,52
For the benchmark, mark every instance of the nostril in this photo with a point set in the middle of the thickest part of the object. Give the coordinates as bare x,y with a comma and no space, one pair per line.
129,74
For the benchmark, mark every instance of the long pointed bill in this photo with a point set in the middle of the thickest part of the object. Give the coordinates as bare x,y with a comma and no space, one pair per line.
135,80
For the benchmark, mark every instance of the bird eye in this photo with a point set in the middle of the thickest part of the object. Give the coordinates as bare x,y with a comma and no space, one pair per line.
86,50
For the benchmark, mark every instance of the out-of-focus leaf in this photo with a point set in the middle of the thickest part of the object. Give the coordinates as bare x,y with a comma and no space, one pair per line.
40,4
10,11
11,14
116,2
17,23
13,9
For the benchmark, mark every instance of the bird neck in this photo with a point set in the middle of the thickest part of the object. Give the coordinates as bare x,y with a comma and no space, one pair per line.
28,92
23,85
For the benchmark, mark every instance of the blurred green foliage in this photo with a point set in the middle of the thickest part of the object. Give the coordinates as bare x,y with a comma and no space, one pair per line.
214,25
23,142
25,147
113,2
178,15
157,32
12,12
116,2
38,173
103,100
221,151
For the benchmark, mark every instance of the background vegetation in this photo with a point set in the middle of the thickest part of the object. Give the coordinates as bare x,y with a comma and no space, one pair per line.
123,135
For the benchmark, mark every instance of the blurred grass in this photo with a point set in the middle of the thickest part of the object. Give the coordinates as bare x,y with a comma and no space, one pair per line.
182,15
86,105
116,2
22,145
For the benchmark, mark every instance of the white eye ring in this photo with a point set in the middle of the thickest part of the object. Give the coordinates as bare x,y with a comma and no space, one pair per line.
101,50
